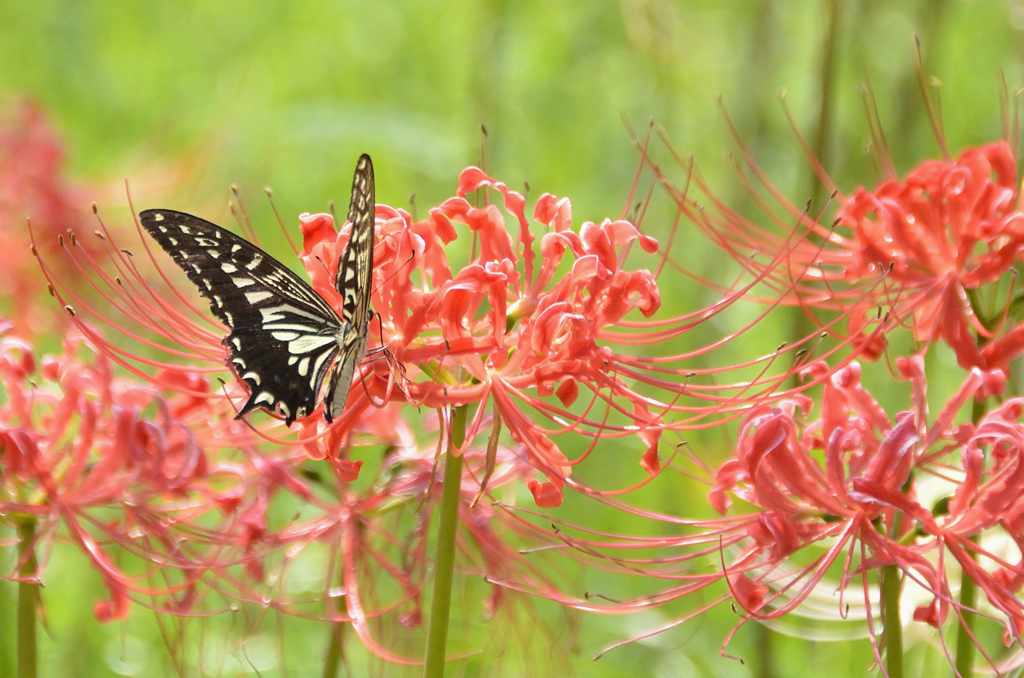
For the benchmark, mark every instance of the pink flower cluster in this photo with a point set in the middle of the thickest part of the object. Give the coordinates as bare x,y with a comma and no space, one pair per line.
831,485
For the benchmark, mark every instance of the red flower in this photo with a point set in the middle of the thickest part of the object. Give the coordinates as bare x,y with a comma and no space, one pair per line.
506,326
359,552
949,228
502,330
920,249
162,485
827,501
109,462
843,495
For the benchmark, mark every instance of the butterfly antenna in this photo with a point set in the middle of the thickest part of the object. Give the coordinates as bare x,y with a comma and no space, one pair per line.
280,221
483,152
481,193
326,270
394,273
412,206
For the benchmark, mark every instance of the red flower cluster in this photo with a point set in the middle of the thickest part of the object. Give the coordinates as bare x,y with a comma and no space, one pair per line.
853,491
946,230
840,494
489,331
853,476
171,500
84,452
518,336
534,332
929,251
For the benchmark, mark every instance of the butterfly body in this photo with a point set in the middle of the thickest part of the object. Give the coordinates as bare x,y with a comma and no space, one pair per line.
284,336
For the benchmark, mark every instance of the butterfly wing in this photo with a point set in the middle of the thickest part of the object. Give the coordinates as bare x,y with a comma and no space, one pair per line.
354,282
284,336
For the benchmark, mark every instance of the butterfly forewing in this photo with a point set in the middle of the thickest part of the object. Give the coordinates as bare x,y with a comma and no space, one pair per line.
354,281
283,334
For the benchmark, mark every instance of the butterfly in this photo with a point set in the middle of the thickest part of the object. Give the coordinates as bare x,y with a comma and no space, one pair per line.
284,336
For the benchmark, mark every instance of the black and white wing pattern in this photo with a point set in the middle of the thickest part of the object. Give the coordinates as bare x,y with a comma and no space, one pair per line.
354,282
284,336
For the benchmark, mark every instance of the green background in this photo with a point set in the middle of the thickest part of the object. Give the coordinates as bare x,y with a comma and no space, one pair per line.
187,98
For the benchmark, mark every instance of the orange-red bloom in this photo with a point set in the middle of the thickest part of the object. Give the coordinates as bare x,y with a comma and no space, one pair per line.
491,329
929,250
949,228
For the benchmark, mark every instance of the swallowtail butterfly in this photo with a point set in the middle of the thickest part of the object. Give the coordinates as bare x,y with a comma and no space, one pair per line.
284,336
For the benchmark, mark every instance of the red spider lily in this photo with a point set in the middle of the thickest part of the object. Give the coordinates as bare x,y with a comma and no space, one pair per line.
367,542
924,248
844,492
948,229
183,494
488,330
853,476
109,464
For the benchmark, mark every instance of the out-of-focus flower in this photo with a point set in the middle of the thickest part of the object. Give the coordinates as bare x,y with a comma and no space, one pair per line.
33,186
363,548
172,501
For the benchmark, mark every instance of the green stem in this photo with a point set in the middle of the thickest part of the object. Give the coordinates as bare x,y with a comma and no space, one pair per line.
444,568
891,621
764,647
827,80
28,597
965,647
965,639
335,648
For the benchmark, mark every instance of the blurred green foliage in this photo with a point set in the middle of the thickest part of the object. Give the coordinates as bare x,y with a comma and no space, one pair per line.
287,94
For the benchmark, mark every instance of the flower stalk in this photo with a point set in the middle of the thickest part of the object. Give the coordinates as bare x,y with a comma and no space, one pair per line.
444,568
891,620
335,650
28,597
965,647
965,639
